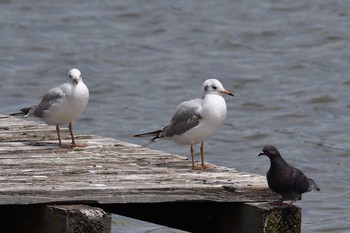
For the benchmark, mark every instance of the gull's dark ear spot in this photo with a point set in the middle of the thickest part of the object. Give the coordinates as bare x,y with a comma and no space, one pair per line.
206,88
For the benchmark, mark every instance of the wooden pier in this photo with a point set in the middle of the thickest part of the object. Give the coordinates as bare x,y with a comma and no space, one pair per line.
44,188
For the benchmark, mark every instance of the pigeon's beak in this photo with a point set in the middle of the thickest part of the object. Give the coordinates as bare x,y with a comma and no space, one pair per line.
226,92
262,153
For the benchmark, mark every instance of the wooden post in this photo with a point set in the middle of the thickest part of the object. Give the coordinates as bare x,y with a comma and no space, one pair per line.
266,218
76,219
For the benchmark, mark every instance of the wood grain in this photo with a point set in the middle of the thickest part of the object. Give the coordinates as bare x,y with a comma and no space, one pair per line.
34,170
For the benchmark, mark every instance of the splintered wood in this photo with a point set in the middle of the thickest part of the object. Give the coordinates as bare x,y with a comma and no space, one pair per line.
33,170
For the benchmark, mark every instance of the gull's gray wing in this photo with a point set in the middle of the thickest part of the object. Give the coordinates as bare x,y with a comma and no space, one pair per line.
185,118
51,97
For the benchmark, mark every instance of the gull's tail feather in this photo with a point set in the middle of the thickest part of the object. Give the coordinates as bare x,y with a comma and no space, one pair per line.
149,134
23,112
154,134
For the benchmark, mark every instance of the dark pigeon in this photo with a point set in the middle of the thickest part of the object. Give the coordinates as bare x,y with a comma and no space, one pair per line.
285,179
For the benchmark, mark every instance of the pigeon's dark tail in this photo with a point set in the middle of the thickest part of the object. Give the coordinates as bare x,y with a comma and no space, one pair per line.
313,185
23,112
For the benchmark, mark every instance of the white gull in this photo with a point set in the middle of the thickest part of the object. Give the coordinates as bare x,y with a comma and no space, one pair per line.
61,104
196,120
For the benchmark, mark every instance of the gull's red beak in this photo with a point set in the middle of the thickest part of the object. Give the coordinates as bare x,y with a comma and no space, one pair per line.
227,92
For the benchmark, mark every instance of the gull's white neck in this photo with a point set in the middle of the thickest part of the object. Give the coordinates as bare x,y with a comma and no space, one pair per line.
215,106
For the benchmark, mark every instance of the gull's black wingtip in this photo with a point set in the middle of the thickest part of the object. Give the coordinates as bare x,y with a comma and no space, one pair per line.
23,111
153,133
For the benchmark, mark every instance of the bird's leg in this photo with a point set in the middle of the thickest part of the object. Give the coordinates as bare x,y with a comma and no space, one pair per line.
58,135
202,156
203,165
59,139
192,155
74,144
278,202
281,203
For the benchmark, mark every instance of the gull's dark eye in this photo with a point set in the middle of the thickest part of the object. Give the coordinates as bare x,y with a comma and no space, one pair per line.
214,87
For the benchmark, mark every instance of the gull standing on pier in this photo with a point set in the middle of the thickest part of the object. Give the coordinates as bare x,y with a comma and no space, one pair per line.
61,104
196,120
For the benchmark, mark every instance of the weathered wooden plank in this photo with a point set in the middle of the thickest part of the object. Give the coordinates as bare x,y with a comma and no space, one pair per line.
33,170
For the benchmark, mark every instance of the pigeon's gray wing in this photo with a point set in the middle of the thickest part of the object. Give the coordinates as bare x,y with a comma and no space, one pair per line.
300,182
185,118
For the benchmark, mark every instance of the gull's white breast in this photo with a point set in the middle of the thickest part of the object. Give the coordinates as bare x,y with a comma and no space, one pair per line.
70,106
213,112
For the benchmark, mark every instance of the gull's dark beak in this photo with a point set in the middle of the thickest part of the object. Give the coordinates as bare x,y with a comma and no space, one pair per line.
227,92
262,153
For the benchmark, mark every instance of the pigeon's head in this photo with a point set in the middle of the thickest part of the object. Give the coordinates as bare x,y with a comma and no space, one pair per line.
74,76
270,151
214,86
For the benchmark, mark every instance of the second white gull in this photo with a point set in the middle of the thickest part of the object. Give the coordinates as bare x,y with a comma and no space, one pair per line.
196,120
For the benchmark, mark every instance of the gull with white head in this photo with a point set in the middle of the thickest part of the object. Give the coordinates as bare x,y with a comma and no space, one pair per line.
196,120
61,104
